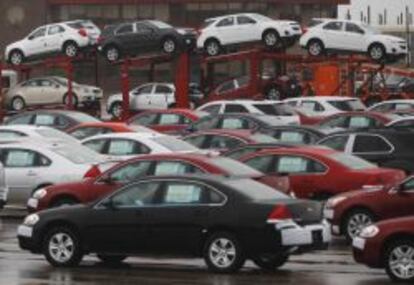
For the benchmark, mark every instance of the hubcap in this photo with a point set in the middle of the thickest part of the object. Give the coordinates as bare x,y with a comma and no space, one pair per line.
270,39
16,58
315,49
169,46
61,247
112,54
222,252
401,262
212,48
71,50
117,110
376,53
273,94
357,223
17,104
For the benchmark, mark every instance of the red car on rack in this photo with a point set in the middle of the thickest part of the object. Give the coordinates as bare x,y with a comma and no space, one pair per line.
320,173
170,121
83,131
91,189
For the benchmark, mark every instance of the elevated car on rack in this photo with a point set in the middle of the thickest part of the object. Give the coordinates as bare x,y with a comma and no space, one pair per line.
133,38
66,37
393,106
88,190
229,224
354,37
220,32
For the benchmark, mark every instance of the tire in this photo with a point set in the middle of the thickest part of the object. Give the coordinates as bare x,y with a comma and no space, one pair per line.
18,103
116,110
169,46
270,262
223,253
64,201
271,39
316,48
355,221
377,52
69,255
399,255
74,100
70,49
16,57
273,93
212,47
112,53
111,259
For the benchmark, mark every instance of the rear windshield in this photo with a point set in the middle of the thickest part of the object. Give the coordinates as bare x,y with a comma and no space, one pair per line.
348,105
82,117
78,154
234,167
255,190
351,161
174,144
275,109
315,22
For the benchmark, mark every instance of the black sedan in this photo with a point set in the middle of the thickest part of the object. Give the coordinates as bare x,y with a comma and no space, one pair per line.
224,220
133,38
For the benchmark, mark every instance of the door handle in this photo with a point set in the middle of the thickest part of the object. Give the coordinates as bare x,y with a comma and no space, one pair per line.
200,213
31,173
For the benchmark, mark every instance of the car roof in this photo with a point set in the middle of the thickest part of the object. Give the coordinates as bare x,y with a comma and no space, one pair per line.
395,101
114,125
127,135
300,150
245,134
322,98
24,127
230,15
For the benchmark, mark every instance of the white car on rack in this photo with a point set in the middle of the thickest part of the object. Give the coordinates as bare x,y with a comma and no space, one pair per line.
249,27
128,145
14,132
321,106
66,37
393,105
352,36
282,111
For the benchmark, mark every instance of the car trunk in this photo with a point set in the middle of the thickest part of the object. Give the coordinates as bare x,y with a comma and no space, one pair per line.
280,183
384,176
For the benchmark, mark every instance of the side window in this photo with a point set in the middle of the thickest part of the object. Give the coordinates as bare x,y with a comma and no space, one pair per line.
131,171
234,123
44,120
197,141
362,122
312,106
227,86
408,185
143,29
403,106
226,22
244,20
292,137
45,83
353,28
137,195
170,119
21,120
337,142
235,108
162,89
371,144
126,147
181,193
261,163
61,121
96,145
125,29
205,123
56,29
224,142
212,109
333,26
383,108
145,120
175,167
11,135
25,158
336,122
297,164
41,32
147,89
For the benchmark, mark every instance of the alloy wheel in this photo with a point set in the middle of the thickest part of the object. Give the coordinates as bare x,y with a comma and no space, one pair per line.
213,48
16,58
71,50
376,53
222,252
357,222
169,46
61,247
315,49
112,54
401,262
271,39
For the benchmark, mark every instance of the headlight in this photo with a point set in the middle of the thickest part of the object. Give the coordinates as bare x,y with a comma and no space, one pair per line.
31,220
369,232
331,203
39,194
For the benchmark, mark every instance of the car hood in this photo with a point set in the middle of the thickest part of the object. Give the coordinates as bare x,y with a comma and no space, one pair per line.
71,185
62,212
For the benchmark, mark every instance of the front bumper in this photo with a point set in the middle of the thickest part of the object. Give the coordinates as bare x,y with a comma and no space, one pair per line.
367,251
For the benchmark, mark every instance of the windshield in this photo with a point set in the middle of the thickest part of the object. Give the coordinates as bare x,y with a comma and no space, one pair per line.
260,18
78,154
234,167
348,105
351,161
160,25
255,190
174,144
82,117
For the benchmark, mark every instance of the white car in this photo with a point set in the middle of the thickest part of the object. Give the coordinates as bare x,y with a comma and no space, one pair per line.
120,146
393,105
33,164
320,106
249,27
13,132
66,37
273,108
351,36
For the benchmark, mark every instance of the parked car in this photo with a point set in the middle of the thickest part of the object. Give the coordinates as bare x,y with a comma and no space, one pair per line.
89,190
149,96
387,244
220,32
386,148
271,108
349,213
224,140
51,90
58,119
34,164
10,133
133,38
320,173
354,37
393,105
4,189
239,224
86,130
243,150
406,123
294,134
65,37
171,121
128,145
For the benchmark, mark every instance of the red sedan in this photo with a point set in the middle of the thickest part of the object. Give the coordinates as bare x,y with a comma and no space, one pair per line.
83,131
390,245
350,212
92,188
356,120
171,121
320,173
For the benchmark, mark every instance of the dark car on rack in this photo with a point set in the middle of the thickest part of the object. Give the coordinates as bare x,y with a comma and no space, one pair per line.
133,38
222,219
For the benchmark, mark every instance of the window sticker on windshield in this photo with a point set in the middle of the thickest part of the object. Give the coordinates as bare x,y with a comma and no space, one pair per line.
183,194
45,120
121,147
232,124
292,164
291,137
359,122
169,168
169,119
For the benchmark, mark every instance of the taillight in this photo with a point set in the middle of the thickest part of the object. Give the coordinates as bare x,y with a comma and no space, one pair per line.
278,214
83,32
93,172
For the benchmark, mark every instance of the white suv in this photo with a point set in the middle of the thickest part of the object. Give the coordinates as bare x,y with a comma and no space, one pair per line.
65,37
241,28
351,36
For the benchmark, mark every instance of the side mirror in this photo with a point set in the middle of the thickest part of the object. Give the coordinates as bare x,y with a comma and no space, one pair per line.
107,180
108,204
30,38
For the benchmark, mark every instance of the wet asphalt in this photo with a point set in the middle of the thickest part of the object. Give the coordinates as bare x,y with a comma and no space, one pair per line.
334,266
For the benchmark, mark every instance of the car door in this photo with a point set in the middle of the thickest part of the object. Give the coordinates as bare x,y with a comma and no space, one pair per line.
31,91
338,143
36,42
354,36
161,97
400,202
51,92
248,29
141,97
54,38
120,222
126,36
333,32
374,148
146,37
227,31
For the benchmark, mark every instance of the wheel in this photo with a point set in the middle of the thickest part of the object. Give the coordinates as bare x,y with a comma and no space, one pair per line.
61,247
271,39
356,221
270,262
16,57
223,253
273,93
316,48
377,52
18,103
212,47
111,259
70,49
116,110
169,46
112,53
74,100
399,260
64,201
